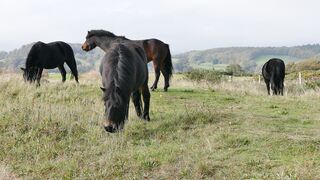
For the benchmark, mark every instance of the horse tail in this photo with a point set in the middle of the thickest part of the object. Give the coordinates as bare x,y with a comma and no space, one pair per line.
168,67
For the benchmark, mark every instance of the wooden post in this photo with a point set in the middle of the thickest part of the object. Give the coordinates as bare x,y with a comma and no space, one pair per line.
259,79
300,80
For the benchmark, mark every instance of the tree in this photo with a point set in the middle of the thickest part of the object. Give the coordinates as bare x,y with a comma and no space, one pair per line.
234,69
249,66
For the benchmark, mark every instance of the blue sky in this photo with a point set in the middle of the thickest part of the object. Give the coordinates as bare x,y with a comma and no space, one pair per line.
184,24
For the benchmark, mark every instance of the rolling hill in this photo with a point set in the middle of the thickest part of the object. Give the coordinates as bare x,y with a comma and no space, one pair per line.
250,58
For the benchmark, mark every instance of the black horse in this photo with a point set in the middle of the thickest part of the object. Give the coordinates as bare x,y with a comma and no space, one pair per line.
124,72
49,56
156,51
273,73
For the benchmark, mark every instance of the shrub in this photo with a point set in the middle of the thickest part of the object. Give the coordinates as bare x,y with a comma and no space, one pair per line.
208,76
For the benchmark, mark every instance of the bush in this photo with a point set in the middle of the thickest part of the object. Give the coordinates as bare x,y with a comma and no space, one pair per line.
306,75
209,76
313,85
234,69
309,64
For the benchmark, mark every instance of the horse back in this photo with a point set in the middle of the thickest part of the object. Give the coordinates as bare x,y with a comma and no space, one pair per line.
129,62
133,60
274,68
155,49
47,56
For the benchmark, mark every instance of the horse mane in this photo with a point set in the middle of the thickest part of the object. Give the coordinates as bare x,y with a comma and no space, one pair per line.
120,74
102,33
31,54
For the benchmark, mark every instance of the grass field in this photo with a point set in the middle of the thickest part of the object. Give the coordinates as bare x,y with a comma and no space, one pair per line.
231,130
210,66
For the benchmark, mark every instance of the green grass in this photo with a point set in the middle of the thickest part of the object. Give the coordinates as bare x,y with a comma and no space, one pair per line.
210,66
55,132
263,59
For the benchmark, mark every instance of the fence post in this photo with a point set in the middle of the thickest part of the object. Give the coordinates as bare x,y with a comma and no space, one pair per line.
300,80
230,78
259,78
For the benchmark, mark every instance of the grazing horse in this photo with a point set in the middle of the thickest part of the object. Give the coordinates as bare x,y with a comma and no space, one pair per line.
124,73
156,51
273,73
49,56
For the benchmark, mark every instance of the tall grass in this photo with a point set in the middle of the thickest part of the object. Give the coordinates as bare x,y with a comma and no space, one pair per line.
233,132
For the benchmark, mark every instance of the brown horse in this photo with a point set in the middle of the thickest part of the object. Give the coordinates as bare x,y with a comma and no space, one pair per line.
157,51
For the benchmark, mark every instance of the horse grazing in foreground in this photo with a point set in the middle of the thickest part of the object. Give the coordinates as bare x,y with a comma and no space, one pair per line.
156,51
49,56
124,73
273,73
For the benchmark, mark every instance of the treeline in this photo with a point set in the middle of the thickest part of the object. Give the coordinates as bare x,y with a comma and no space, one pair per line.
249,58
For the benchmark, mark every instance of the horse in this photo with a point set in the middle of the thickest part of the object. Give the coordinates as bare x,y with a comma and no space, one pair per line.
49,56
124,73
273,73
156,51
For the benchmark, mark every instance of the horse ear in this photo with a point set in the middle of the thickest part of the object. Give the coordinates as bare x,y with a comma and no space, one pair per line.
103,89
23,69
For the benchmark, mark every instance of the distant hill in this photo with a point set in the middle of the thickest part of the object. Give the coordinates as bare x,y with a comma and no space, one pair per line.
249,58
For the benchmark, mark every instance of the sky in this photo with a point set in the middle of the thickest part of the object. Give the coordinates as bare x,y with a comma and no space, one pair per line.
184,24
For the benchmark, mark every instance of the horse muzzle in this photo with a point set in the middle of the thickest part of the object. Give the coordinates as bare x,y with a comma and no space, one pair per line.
109,127
85,47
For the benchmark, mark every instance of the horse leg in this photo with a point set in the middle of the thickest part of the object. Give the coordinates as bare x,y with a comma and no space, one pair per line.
273,88
268,86
39,73
136,98
166,79
146,99
157,74
127,110
276,91
63,73
73,67
281,88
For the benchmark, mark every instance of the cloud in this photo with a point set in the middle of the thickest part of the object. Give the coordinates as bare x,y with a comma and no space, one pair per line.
185,25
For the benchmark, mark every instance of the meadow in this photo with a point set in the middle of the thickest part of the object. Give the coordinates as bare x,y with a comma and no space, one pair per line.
229,130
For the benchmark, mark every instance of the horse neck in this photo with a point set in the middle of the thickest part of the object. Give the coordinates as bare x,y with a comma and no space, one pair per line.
105,42
30,58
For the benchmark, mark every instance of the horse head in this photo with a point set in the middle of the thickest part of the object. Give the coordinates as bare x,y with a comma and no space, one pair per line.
90,42
116,110
29,74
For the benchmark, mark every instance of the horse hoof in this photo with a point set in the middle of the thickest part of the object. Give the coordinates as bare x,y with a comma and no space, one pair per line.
165,89
146,117
139,115
109,129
